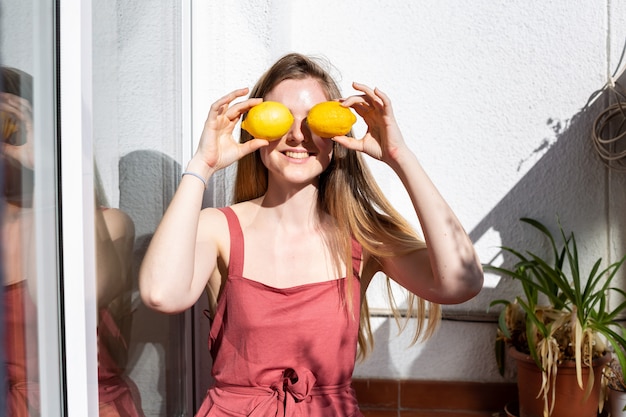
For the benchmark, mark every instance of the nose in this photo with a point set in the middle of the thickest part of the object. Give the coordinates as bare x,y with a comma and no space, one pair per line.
299,131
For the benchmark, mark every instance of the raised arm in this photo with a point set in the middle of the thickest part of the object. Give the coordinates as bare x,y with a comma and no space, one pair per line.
448,271
183,252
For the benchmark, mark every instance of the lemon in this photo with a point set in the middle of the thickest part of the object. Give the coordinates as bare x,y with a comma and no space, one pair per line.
269,120
9,126
329,119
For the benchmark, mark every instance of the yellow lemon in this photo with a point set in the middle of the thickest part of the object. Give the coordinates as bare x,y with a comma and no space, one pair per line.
329,119
9,129
269,120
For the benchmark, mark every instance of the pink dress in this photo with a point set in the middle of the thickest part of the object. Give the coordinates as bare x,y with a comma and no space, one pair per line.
20,344
118,395
282,351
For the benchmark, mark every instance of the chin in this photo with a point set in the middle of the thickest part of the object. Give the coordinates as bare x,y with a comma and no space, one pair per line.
302,176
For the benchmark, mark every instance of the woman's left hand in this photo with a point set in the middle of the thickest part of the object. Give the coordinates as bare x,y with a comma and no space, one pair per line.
383,139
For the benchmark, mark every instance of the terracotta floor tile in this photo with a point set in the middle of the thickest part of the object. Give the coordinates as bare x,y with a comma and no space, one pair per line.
374,393
403,398
380,413
457,395
447,413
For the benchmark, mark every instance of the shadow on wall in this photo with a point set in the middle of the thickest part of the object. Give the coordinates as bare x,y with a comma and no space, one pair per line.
569,183
148,180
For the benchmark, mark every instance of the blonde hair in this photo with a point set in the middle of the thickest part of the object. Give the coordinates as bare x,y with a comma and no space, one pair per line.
351,196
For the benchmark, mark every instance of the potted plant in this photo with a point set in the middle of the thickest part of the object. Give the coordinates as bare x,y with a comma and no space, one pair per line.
615,388
561,326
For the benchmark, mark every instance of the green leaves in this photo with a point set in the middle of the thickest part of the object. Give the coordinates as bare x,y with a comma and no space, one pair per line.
560,299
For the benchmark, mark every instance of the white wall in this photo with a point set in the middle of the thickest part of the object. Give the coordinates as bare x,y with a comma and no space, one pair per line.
489,95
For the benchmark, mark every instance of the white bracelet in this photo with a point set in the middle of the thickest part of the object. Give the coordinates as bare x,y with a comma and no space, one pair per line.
198,176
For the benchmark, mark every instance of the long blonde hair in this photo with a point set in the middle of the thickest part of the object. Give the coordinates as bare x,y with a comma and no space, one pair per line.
350,195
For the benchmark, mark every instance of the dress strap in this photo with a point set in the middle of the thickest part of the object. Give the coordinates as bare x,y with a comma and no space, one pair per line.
235,264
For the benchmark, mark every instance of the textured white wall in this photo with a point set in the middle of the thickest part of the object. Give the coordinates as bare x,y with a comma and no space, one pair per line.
489,95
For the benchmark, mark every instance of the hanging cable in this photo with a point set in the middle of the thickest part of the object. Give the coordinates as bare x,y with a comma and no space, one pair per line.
609,131
609,128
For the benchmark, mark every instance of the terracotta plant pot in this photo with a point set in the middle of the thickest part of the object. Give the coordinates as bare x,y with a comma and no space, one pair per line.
616,403
569,397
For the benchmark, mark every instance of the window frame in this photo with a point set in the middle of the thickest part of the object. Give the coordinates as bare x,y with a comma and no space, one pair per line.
77,214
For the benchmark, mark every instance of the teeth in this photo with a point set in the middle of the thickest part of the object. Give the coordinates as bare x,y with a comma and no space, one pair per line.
297,155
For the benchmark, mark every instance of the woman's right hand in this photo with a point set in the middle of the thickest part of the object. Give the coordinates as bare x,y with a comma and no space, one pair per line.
217,148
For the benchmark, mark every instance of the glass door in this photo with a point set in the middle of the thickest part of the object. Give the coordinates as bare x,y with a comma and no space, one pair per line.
92,107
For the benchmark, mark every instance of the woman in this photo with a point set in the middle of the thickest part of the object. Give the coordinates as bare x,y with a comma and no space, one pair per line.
307,211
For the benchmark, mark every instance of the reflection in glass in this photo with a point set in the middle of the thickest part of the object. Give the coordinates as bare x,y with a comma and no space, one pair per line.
115,237
18,257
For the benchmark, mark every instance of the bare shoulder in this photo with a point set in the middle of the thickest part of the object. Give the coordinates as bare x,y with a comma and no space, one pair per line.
119,224
213,227
246,210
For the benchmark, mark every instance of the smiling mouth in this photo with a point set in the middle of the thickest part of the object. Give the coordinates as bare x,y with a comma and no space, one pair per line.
297,155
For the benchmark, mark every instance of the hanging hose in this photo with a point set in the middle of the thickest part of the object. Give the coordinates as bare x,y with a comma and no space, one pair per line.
609,127
609,131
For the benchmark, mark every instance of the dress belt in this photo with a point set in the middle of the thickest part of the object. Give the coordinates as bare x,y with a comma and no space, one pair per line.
296,386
